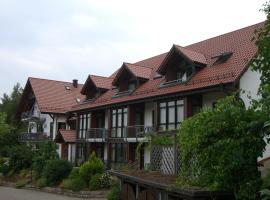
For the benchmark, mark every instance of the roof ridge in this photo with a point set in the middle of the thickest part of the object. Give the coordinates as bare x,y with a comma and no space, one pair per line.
52,80
151,57
99,76
227,33
139,65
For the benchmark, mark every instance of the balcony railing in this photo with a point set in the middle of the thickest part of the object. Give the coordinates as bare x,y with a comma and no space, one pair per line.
138,131
97,134
32,137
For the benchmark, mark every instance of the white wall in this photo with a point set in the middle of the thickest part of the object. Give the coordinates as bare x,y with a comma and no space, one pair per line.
147,156
148,108
249,83
209,98
71,152
106,119
46,126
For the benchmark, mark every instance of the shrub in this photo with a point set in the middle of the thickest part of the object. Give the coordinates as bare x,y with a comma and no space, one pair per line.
220,147
91,167
21,183
20,157
46,152
56,170
78,184
74,173
95,182
114,194
4,166
66,183
41,183
105,180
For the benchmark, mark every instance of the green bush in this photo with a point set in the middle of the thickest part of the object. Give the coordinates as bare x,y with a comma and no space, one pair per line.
91,167
220,147
78,184
66,183
20,157
74,173
41,183
114,194
21,183
105,180
46,152
55,171
4,165
95,182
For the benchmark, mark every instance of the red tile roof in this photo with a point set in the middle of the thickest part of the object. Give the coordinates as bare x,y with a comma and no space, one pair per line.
66,136
52,96
136,70
239,42
192,55
99,82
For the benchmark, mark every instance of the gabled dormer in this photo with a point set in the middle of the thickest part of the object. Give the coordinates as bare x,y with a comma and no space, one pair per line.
180,65
94,86
129,77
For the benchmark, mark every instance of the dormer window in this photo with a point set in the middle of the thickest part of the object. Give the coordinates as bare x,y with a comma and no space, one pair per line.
129,77
180,64
95,86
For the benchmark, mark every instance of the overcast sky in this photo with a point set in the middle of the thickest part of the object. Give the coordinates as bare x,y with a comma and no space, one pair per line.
67,39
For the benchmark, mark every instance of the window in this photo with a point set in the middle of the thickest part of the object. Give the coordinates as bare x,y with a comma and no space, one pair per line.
81,151
171,114
84,124
119,122
119,152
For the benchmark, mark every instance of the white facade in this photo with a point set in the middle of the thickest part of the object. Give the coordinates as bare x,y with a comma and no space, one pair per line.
249,85
148,108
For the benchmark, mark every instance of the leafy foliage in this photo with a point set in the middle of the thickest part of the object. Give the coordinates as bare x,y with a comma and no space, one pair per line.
91,167
106,180
46,152
220,147
114,194
9,103
95,182
7,135
56,170
78,184
20,157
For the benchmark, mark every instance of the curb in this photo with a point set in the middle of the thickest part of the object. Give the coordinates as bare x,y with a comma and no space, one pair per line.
82,194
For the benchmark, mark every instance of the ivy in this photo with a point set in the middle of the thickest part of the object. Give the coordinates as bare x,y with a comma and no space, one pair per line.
220,147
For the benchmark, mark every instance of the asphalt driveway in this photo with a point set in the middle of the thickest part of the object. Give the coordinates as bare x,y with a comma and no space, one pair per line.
8,193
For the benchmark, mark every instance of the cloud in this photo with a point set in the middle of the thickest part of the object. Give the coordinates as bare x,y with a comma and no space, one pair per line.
68,39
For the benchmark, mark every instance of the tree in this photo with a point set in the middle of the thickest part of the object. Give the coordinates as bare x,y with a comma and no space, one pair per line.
10,104
220,147
261,62
7,135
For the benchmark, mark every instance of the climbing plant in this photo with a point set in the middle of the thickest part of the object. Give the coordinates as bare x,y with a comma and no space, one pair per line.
220,147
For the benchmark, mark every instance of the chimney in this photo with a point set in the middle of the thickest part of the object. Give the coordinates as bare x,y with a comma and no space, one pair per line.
75,83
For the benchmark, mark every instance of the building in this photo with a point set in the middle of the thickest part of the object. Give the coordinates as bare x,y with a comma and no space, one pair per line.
44,106
113,115
158,93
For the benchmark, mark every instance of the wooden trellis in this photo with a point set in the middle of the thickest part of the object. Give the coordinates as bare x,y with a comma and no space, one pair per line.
165,159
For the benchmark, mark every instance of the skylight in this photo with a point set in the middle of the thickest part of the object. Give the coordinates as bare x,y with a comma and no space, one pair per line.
67,87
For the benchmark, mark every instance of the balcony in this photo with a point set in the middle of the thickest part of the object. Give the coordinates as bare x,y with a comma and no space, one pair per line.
135,133
32,137
97,135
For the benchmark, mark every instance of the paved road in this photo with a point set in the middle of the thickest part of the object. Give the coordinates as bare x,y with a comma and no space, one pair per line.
8,193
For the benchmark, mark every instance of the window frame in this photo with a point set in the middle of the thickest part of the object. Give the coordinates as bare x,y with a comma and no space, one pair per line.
119,125
176,122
